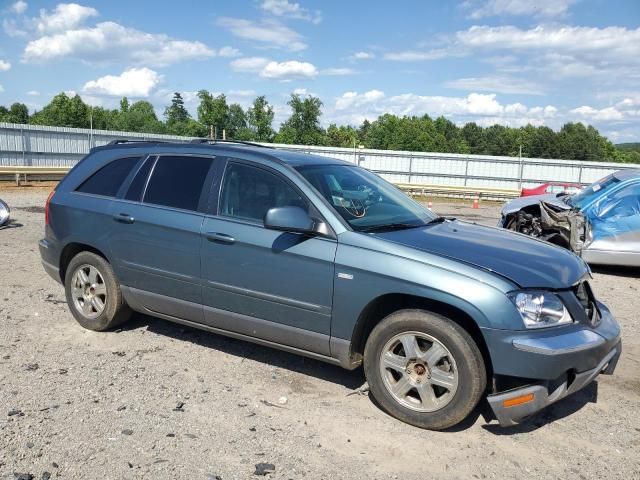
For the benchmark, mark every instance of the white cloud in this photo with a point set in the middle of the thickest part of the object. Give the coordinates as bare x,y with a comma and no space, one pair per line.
65,16
249,64
1,89
418,55
626,109
12,29
353,107
363,56
110,42
228,52
266,68
134,82
587,43
289,70
538,8
242,93
498,84
287,9
269,33
4,66
338,71
33,93
19,7
607,114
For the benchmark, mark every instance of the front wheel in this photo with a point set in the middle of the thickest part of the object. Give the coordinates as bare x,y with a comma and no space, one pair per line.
93,293
424,369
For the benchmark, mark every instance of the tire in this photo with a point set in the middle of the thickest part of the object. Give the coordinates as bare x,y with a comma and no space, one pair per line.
95,300
438,384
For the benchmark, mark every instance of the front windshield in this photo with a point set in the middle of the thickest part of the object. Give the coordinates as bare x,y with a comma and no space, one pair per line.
364,200
594,190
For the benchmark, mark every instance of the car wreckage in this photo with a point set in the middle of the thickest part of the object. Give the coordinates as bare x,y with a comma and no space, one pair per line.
600,223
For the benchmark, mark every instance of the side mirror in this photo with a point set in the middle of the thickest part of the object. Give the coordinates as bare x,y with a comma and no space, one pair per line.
289,219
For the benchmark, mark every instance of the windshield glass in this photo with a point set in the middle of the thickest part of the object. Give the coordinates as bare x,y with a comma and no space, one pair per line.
593,191
364,200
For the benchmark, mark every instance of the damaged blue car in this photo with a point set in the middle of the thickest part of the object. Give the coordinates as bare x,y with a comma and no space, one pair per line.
600,223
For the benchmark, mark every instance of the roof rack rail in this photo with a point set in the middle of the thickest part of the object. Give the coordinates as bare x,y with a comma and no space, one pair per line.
241,142
120,141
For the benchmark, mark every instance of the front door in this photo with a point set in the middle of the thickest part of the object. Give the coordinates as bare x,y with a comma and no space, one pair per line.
273,285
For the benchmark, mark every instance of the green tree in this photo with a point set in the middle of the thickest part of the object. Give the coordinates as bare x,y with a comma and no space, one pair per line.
303,126
473,136
176,112
17,113
213,111
260,120
63,111
236,122
140,117
342,136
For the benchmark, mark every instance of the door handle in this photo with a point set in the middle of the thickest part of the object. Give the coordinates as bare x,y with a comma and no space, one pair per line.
124,218
220,238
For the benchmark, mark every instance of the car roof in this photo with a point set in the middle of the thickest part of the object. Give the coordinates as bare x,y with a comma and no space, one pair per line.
627,174
288,157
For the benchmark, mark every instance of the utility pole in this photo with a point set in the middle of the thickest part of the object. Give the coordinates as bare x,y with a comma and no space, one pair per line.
521,168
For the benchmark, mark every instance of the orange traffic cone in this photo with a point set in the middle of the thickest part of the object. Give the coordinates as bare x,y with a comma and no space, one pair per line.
429,205
476,203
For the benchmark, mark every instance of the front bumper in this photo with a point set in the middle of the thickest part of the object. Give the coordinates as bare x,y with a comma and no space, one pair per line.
539,396
558,362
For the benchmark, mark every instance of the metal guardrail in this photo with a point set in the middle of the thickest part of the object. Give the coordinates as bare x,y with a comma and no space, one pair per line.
456,191
41,146
21,174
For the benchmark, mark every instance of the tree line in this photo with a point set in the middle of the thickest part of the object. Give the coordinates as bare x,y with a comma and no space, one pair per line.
215,115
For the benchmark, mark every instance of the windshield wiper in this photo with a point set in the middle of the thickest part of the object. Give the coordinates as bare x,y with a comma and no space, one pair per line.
401,226
392,226
436,220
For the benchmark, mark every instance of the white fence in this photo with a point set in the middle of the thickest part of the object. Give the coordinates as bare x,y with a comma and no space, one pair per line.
31,145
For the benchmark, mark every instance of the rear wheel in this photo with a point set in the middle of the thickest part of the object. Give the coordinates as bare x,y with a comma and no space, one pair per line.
424,369
93,293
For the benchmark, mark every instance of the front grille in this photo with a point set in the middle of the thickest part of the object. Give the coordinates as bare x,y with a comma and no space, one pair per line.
587,300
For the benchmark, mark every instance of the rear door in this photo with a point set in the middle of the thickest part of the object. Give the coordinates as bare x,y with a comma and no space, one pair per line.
156,239
279,285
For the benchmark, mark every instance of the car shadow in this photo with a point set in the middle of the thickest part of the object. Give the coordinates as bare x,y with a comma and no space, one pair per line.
618,271
556,411
351,379
11,224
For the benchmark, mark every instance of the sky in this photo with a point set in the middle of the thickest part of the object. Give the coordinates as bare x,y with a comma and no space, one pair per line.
512,62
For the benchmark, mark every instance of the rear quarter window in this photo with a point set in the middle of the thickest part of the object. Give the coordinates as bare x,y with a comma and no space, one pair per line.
108,180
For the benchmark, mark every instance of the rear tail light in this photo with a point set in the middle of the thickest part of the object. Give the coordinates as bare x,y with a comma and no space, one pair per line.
46,207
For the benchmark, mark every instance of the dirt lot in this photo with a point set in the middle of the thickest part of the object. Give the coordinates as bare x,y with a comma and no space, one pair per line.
79,404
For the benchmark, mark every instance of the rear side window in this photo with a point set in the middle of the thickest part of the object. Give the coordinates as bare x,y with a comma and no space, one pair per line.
108,180
177,181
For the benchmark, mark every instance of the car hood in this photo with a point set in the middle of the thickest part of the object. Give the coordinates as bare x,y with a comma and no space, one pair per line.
526,262
521,202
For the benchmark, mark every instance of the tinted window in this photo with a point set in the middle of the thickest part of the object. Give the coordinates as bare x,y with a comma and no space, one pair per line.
108,179
177,182
139,181
249,192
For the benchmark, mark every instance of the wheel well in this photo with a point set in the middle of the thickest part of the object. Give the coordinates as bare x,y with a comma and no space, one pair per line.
385,305
71,251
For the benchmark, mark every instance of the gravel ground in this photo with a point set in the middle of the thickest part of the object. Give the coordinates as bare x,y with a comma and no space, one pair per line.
163,401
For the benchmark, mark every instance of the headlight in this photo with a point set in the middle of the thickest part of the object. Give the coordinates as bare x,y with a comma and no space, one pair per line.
540,309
